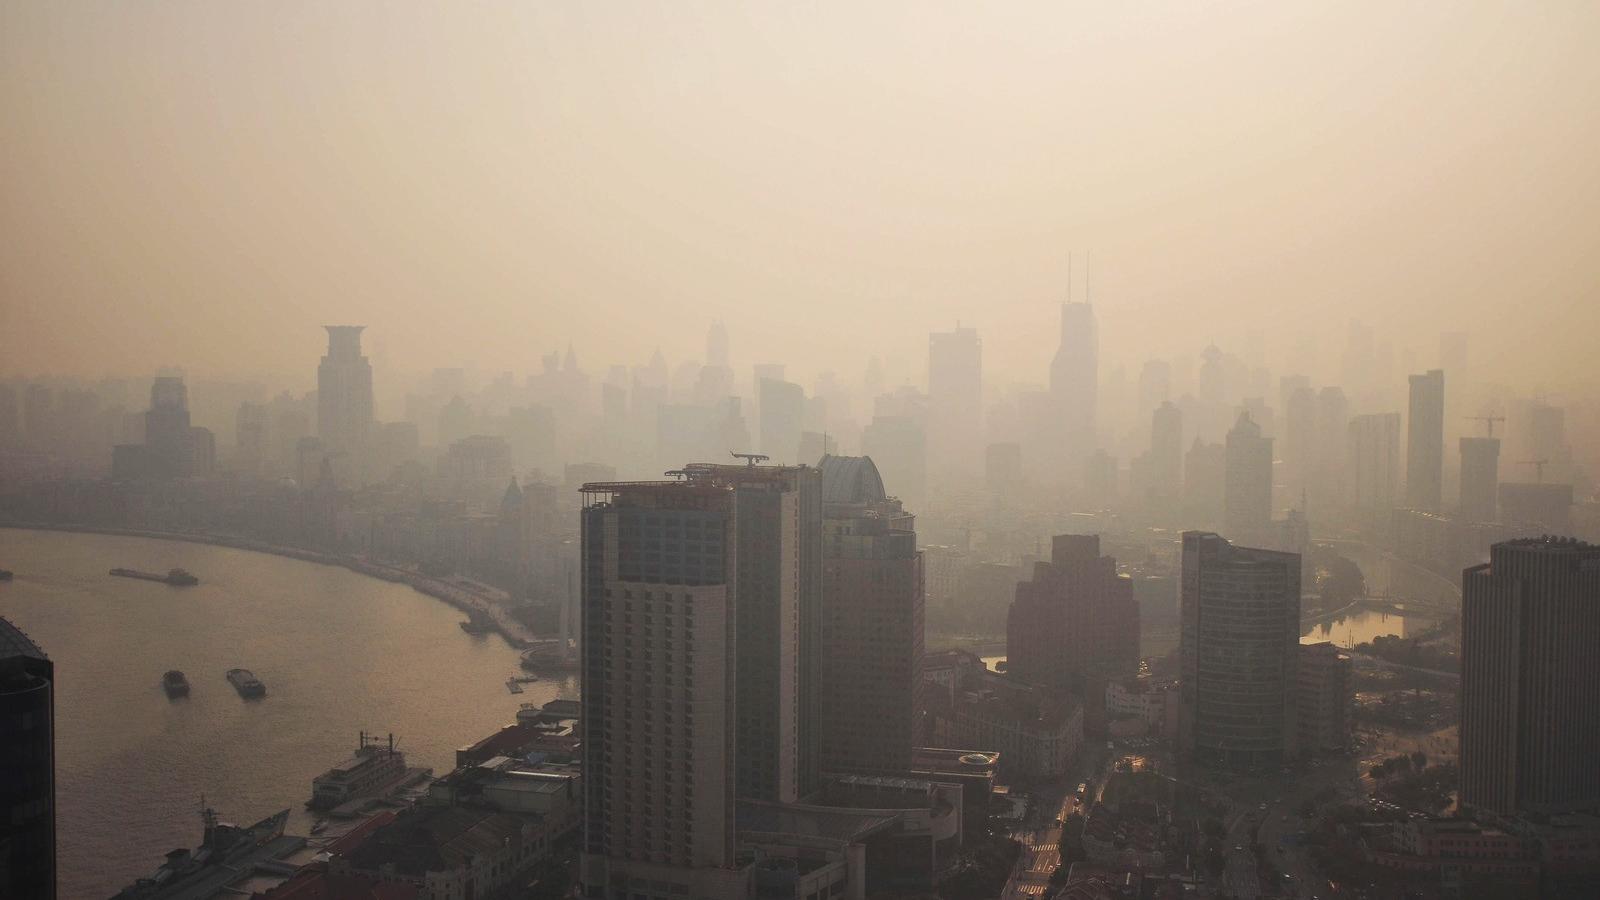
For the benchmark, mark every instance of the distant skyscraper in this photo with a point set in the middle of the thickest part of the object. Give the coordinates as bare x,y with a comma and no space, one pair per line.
1075,383
955,400
783,410
871,622
1076,617
1247,490
1002,469
166,426
27,768
1239,648
1425,442
1530,678
344,394
1480,478
1328,454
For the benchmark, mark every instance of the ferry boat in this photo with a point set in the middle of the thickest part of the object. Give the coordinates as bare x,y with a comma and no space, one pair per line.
5,574
246,683
174,577
375,766
175,684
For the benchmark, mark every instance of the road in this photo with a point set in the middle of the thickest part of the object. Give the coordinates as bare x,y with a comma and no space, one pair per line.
1041,843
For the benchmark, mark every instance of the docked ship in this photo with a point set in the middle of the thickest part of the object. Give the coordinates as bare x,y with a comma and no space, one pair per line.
375,767
227,854
175,684
478,623
174,577
246,683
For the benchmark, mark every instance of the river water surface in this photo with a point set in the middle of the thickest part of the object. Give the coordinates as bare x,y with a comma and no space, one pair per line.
339,652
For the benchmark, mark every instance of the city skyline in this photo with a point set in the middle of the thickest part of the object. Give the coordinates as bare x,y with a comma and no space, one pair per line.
1353,185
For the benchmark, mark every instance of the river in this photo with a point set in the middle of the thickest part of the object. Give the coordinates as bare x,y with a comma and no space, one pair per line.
339,652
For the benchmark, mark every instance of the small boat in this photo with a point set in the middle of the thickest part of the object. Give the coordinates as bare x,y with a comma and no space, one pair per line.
513,686
246,683
5,574
174,577
477,623
175,684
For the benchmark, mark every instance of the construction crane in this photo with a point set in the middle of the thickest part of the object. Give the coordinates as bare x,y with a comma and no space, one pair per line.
1538,466
1488,421
750,459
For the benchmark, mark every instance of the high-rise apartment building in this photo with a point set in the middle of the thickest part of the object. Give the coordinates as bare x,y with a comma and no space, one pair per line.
1300,437
1425,442
1239,651
27,767
344,394
1373,465
871,622
955,400
1530,678
659,596
1075,617
1480,478
701,660
1247,488
1075,384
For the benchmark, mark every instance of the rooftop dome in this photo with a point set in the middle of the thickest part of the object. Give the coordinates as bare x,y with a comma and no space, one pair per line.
851,479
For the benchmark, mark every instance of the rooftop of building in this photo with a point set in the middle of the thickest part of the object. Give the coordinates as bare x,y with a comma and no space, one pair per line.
851,479
435,839
950,761
833,823
15,642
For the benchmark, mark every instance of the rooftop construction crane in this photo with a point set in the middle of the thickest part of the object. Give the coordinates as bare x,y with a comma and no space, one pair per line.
1488,421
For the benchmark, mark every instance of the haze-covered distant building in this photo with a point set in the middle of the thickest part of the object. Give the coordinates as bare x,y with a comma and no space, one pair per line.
1425,442
344,395
1247,492
1075,385
1374,463
1480,478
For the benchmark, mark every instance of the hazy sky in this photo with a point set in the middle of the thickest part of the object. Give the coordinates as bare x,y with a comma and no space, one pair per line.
205,184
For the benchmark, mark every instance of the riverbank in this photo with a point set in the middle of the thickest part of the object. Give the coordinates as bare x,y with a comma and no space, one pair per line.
488,604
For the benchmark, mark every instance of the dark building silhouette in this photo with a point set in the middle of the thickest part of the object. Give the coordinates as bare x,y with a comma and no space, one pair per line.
1530,678
1075,618
872,621
166,427
27,768
1239,648
1425,442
